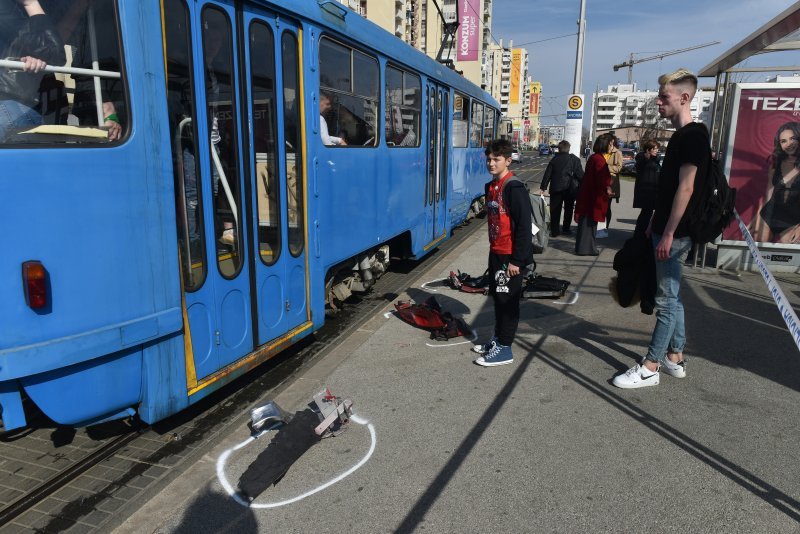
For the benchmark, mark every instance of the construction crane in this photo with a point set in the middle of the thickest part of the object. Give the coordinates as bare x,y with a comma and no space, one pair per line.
631,61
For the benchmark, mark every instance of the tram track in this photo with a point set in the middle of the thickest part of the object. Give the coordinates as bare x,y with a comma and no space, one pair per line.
126,458
50,486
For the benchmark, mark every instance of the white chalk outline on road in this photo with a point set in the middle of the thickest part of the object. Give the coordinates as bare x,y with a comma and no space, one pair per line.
223,480
425,285
573,300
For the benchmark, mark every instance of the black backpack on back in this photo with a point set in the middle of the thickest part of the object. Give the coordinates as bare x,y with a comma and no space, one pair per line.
713,210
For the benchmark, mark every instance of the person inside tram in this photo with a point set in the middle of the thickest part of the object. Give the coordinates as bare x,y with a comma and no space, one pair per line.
398,135
27,34
75,29
325,104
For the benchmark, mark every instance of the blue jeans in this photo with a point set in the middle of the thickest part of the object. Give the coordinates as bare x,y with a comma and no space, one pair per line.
670,331
16,115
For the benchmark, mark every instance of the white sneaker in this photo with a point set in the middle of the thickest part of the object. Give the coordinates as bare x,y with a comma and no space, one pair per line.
637,376
601,234
678,370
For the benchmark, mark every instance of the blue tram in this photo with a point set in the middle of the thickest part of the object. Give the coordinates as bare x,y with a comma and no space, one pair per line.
201,179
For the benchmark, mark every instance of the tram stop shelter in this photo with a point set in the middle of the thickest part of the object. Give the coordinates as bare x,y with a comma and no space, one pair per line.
756,111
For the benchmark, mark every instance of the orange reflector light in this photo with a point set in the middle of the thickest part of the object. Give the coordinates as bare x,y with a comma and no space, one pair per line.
34,280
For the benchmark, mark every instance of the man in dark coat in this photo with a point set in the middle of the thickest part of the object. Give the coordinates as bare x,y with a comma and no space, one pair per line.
563,175
644,192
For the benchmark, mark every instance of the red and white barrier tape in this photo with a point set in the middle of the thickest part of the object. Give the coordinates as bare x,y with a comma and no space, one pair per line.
785,309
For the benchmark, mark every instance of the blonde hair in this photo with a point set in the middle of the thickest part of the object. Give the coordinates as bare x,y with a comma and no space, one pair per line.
683,77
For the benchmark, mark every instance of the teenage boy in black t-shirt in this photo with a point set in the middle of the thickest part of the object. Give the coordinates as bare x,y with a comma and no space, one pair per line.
685,164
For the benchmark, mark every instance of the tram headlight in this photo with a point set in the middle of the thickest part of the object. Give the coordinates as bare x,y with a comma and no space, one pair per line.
34,281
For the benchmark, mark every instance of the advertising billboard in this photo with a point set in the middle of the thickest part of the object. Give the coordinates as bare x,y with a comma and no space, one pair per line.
761,161
515,76
468,34
533,109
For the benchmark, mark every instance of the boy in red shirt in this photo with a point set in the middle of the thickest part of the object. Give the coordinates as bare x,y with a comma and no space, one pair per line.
510,250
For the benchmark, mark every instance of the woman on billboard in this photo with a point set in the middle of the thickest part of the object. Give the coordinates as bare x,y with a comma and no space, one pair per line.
779,218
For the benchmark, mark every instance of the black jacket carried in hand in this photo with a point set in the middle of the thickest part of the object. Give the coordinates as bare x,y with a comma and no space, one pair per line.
560,171
36,37
635,264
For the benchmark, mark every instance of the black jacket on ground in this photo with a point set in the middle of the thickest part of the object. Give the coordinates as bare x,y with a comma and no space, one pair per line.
518,205
646,187
560,171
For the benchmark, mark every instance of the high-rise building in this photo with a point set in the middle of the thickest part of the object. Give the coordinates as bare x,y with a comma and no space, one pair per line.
417,22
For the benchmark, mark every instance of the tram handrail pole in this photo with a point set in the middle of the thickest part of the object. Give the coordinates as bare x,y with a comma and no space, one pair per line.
98,95
19,65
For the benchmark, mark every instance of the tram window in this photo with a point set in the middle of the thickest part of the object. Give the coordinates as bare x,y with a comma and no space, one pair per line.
291,132
221,127
57,106
183,134
488,126
264,124
403,96
460,120
349,78
475,134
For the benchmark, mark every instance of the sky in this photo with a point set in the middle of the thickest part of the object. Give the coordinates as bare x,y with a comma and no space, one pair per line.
616,28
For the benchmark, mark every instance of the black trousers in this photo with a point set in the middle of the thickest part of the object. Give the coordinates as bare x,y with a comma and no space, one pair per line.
557,201
506,294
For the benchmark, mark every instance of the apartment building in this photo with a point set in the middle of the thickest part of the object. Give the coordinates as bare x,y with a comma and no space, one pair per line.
622,105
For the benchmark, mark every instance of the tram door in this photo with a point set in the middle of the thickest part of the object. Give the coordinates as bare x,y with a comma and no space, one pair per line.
203,105
276,174
436,192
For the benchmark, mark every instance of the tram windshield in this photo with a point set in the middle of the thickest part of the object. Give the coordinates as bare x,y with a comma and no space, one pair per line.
60,73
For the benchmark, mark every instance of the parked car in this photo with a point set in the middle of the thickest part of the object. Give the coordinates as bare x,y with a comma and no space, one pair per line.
628,167
544,150
516,155
628,154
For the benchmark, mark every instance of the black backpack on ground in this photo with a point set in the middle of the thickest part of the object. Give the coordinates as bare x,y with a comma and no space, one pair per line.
713,210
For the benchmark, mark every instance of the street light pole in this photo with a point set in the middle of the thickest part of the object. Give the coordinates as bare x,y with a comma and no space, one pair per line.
576,86
573,128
